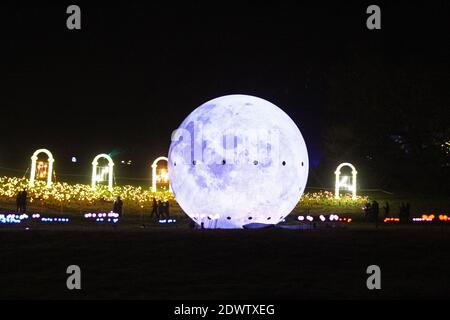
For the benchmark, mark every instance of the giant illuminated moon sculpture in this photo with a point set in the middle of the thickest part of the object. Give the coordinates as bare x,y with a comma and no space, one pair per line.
237,160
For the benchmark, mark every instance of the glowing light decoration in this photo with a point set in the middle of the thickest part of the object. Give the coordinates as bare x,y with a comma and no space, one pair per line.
240,157
41,170
104,171
334,217
163,177
167,221
343,183
55,220
103,217
48,170
12,218
102,174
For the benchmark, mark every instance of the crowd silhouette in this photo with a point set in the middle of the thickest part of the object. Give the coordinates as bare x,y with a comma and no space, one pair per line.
160,209
21,201
372,211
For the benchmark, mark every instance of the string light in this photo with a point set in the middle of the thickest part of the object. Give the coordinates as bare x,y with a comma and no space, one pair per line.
167,221
327,198
54,220
12,218
111,217
431,218
77,195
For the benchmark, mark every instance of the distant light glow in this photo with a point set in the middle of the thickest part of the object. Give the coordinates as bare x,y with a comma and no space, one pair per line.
163,176
41,169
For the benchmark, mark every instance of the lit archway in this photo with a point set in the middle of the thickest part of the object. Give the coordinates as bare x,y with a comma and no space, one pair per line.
110,170
339,183
49,170
154,174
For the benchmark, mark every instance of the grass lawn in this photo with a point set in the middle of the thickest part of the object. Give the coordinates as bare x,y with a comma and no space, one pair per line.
176,262
180,263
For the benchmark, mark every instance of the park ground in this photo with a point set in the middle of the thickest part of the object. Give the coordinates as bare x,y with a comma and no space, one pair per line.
138,259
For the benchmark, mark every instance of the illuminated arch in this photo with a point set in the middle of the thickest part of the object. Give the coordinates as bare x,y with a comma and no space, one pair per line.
154,175
338,181
110,173
34,158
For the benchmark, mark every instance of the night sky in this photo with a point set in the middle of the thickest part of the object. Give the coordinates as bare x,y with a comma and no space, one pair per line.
134,71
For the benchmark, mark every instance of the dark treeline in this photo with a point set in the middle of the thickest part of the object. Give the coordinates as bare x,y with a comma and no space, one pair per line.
391,118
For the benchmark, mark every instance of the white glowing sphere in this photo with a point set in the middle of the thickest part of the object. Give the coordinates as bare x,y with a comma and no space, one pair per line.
236,160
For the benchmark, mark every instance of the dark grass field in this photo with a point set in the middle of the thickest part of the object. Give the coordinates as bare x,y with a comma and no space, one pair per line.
130,262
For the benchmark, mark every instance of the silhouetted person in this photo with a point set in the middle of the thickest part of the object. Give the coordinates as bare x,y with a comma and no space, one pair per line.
375,211
19,202
118,207
367,210
386,209
154,209
167,209
160,210
23,201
